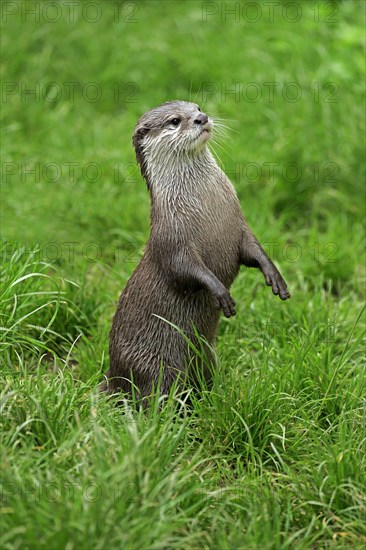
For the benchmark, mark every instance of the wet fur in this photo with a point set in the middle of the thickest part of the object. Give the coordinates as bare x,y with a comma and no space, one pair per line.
197,243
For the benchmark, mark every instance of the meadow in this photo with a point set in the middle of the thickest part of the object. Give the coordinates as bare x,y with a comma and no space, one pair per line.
273,456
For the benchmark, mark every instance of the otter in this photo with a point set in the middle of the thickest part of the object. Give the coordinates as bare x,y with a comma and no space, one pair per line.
198,241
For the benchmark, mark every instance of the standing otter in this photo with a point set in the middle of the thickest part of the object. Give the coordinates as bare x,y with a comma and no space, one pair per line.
198,241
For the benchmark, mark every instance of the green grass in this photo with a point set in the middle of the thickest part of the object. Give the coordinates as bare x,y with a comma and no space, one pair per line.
274,455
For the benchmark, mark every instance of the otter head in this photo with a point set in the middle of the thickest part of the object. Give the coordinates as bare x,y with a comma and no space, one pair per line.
171,130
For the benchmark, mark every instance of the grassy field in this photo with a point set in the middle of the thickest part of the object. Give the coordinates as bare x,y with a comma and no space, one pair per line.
274,456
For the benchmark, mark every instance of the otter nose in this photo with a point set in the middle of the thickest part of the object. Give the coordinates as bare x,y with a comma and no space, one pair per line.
201,119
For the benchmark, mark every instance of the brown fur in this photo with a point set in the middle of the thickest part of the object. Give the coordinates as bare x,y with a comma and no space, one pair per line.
198,241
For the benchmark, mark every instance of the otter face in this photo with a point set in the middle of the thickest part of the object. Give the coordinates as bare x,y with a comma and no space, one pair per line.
173,129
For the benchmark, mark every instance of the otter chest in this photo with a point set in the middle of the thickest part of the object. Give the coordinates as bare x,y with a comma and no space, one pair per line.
215,231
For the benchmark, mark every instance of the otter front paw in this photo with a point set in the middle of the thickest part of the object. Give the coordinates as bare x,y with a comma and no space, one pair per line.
276,281
225,302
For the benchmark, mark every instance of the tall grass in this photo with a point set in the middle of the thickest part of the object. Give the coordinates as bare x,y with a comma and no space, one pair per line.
272,456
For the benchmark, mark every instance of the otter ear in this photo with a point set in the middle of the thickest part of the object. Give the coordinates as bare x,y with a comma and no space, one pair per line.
138,136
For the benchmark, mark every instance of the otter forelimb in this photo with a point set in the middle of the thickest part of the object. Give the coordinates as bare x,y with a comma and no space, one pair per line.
253,255
187,269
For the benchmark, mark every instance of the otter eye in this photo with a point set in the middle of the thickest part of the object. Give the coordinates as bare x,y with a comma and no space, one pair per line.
175,121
